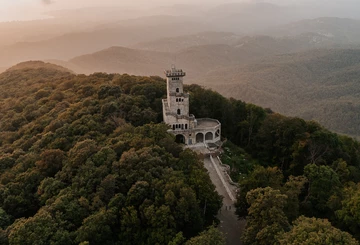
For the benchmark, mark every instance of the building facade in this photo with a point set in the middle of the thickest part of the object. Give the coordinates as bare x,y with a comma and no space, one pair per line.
187,129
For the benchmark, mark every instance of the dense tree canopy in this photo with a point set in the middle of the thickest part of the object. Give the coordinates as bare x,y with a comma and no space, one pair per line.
86,160
315,231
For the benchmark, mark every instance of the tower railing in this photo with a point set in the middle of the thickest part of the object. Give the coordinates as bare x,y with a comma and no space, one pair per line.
175,73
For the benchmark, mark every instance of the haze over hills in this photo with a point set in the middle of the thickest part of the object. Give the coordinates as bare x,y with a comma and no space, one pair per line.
166,33
59,38
341,30
320,85
87,159
178,43
218,43
214,50
141,62
290,75
249,18
72,44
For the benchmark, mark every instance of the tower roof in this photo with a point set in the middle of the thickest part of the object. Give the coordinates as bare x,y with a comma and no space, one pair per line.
175,72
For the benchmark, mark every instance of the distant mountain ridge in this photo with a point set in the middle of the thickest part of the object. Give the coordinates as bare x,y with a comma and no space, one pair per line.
321,85
199,54
178,43
341,30
121,33
38,65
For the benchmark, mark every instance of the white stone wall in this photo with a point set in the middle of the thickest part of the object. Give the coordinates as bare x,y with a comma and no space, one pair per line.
179,101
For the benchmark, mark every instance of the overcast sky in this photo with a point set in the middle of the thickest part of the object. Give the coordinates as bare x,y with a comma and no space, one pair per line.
32,9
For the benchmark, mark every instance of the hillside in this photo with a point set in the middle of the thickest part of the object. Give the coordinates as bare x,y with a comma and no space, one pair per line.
249,17
198,59
85,153
119,33
85,160
143,62
317,85
178,43
122,60
37,65
341,30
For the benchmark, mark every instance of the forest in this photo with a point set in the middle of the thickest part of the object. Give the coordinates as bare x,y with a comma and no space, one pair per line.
86,160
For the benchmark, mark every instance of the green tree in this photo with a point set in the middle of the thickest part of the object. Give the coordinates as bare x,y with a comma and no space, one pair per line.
212,236
349,214
315,231
260,177
266,219
341,168
97,228
318,193
275,140
292,189
5,219
42,229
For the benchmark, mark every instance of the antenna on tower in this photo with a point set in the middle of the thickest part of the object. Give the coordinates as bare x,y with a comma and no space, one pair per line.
173,66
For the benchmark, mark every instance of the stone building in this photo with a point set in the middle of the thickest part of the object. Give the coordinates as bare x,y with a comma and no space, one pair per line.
187,129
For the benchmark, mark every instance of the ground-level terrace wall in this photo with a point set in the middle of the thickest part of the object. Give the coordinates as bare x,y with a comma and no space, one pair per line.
195,136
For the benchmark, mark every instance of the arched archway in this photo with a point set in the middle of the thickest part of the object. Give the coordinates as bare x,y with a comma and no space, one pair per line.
199,138
209,136
180,139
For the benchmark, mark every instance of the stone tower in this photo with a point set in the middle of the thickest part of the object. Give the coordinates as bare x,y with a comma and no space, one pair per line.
184,126
178,101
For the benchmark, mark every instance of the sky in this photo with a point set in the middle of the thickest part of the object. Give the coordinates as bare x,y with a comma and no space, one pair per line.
34,9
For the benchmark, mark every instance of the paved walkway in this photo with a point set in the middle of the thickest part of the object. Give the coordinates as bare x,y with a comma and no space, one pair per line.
229,224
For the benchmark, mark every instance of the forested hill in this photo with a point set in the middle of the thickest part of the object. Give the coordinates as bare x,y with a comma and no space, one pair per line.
321,85
79,162
85,160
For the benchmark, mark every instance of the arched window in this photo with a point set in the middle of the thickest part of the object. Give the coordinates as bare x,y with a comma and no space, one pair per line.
177,90
173,126
209,136
182,126
178,111
185,126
